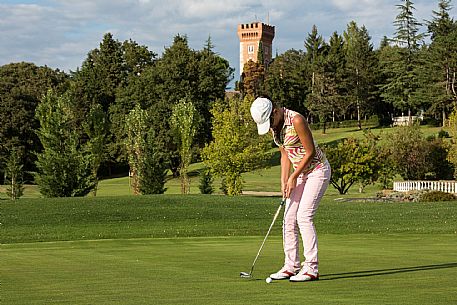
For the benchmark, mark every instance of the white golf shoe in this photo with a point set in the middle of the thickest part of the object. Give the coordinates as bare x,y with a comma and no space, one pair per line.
283,274
304,275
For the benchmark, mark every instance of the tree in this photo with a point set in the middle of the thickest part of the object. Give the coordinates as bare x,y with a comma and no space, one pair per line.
260,56
439,71
359,63
184,122
137,130
155,166
409,151
402,83
286,80
323,88
253,78
214,74
452,157
335,63
236,147
352,161
96,128
14,175
147,159
104,74
22,85
64,166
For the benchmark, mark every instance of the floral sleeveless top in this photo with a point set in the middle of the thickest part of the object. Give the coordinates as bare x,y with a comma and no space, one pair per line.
290,141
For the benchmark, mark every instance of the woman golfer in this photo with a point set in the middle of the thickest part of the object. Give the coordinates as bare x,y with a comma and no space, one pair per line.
303,184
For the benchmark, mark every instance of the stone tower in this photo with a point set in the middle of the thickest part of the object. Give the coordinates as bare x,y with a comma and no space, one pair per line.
250,35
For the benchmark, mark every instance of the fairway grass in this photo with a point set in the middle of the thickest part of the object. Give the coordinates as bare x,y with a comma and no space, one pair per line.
175,249
355,269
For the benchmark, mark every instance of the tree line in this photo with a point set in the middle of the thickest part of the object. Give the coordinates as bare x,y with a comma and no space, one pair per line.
128,110
347,78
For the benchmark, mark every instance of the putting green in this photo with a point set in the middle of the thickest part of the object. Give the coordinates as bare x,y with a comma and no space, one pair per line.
355,269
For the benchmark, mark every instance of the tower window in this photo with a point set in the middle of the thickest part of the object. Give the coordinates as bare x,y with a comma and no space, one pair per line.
250,49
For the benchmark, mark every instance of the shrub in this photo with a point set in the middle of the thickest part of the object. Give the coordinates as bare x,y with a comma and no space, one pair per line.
433,196
409,152
443,134
206,182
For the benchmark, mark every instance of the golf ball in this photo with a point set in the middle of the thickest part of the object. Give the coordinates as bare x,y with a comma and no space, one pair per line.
268,280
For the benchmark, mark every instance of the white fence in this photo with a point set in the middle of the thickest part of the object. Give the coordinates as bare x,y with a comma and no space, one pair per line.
406,120
443,186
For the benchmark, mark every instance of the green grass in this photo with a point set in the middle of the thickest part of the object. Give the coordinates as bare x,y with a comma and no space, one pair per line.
173,249
357,269
164,216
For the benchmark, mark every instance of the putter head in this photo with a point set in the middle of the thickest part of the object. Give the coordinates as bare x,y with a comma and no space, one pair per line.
245,275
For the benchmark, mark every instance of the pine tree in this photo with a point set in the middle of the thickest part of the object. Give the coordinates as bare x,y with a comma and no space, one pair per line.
335,63
439,72
359,62
323,88
402,84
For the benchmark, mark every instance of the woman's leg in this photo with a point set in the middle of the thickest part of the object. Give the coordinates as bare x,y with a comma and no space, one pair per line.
291,242
315,185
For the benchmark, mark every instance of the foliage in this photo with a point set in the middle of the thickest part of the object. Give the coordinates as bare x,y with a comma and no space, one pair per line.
64,166
206,182
181,73
409,152
360,62
402,83
14,175
184,122
136,129
236,147
22,85
351,161
96,129
253,78
440,64
440,167
286,80
155,166
435,196
104,74
147,160
323,90
452,157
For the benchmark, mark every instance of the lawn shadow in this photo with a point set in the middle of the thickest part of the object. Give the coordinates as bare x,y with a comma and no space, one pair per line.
367,273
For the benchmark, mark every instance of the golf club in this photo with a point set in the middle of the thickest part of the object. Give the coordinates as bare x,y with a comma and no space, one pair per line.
248,275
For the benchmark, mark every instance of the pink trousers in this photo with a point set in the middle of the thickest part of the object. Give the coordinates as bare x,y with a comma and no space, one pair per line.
298,217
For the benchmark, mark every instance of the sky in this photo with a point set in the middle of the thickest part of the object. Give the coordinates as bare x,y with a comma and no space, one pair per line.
59,34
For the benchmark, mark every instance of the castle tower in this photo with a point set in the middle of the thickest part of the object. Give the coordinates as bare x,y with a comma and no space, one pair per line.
251,36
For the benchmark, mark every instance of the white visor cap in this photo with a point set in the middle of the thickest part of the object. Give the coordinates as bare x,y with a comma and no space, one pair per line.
260,111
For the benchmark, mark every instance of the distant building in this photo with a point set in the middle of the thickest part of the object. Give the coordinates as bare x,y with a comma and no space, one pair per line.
251,36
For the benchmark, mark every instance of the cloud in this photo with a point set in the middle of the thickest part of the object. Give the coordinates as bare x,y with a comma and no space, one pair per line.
61,33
